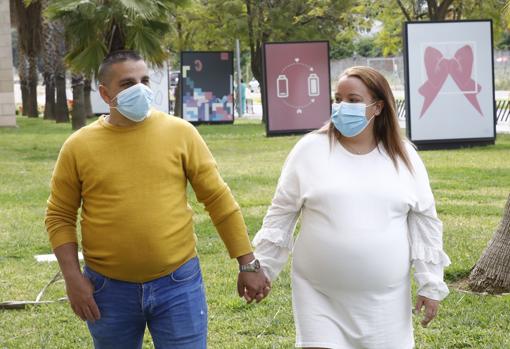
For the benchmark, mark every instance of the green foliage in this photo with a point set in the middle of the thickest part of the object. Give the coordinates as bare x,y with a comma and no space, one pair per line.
94,28
389,39
208,25
470,186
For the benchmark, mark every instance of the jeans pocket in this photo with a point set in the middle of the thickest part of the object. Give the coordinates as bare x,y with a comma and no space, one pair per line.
187,271
98,281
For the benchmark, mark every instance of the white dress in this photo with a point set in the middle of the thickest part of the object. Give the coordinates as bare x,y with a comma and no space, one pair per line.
363,224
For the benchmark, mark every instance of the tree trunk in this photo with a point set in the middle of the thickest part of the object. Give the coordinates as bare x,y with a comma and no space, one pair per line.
87,88
78,114
492,271
32,111
48,65
254,12
257,70
49,105
178,98
61,109
28,24
23,83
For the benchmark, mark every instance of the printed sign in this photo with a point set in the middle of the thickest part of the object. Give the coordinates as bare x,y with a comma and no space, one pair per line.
297,86
449,89
207,91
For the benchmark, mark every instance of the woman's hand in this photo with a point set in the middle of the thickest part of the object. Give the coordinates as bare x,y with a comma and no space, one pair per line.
431,307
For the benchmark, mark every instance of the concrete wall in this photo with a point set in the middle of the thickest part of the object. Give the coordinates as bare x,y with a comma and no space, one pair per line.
7,111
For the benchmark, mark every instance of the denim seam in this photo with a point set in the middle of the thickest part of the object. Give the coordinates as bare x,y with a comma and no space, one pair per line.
89,275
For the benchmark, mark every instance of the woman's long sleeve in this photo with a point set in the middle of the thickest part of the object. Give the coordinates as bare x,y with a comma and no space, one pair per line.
273,242
426,237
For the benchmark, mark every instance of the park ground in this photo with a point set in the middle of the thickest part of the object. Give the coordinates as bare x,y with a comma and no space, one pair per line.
470,185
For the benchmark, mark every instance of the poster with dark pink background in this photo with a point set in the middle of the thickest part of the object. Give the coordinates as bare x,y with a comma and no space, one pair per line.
297,86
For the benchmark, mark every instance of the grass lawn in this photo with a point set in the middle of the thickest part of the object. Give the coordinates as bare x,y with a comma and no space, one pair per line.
471,186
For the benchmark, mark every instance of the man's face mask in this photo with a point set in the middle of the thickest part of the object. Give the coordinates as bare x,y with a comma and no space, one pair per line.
134,102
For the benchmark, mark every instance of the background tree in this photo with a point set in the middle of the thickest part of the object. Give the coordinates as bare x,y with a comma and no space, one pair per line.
491,272
79,118
292,20
389,39
49,53
61,108
94,28
28,25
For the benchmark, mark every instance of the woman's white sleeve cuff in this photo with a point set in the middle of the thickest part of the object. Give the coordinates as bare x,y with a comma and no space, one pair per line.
430,286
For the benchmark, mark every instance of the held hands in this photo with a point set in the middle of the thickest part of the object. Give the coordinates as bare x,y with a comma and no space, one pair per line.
253,286
431,307
80,293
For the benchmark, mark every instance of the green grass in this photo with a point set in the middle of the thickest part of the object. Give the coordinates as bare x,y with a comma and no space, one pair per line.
471,186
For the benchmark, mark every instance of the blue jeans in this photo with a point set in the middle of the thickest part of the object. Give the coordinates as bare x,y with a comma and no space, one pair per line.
173,307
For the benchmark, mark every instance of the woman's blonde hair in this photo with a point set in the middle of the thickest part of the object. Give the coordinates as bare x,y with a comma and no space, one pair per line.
386,127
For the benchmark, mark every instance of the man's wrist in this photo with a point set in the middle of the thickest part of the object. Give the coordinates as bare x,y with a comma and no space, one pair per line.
245,259
252,267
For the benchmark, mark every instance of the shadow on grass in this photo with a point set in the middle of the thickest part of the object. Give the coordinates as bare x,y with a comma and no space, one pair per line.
456,275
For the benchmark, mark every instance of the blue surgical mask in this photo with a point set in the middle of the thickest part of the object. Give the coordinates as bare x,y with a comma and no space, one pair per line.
134,102
350,118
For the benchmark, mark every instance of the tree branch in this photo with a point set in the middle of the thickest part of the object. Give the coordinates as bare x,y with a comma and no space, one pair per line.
404,11
443,9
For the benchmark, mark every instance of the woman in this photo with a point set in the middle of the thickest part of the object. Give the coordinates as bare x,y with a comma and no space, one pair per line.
367,213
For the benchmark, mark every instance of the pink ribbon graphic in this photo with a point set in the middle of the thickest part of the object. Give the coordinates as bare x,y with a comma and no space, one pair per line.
459,68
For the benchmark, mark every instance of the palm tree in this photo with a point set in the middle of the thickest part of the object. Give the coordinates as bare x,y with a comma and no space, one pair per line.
78,113
87,89
95,28
61,109
23,77
28,23
492,271
48,58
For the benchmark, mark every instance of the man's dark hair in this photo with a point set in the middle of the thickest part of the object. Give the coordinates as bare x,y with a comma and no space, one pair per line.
116,57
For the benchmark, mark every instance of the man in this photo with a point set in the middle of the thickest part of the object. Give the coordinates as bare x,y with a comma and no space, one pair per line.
129,172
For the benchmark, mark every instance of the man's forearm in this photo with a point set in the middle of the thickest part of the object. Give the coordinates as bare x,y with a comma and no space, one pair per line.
67,256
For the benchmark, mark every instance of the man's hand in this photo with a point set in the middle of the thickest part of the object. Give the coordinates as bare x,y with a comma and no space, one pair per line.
253,286
80,293
431,307
79,289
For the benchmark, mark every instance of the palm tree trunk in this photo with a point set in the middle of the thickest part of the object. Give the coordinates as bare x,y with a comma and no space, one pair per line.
28,23
178,98
32,111
48,65
61,109
492,271
78,114
87,88
23,73
49,105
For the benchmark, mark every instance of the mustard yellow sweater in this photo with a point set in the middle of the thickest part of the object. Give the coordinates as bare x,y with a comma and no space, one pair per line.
131,185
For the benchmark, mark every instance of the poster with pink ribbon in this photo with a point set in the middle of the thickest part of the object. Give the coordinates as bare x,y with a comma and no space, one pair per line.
297,86
449,83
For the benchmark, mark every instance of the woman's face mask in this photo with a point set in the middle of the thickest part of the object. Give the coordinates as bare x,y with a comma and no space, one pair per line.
134,102
350,118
